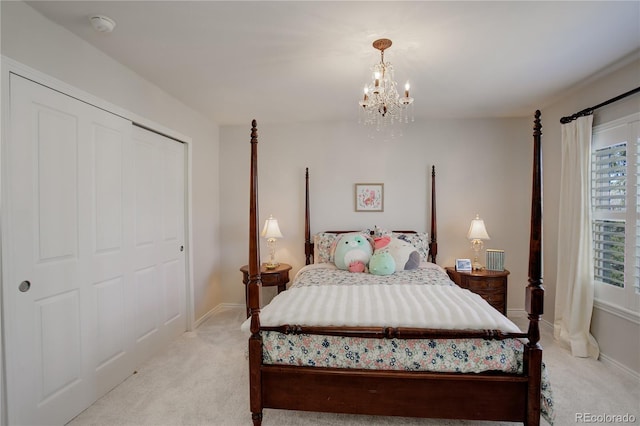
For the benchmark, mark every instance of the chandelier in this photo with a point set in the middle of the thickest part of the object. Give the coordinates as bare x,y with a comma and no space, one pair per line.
382,105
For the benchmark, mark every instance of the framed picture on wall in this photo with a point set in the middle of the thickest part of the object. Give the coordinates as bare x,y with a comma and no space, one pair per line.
369,197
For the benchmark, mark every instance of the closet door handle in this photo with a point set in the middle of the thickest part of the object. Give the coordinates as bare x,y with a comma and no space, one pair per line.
24,286
181,248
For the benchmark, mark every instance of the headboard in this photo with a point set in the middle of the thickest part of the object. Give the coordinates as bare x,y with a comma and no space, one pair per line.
308,240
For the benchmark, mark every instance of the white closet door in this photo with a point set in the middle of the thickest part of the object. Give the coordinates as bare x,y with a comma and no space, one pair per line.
159,257
65,286
109,198
92,265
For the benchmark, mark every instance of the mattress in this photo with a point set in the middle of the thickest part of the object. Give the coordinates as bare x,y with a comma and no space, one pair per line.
322,295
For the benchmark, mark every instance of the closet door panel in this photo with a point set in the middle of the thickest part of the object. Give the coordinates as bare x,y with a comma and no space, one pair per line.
111,320
108,189
60,355
172,280
159,256
55,167
108,232
172,244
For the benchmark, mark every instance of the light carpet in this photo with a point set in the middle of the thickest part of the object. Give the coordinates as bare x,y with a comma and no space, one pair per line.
202,379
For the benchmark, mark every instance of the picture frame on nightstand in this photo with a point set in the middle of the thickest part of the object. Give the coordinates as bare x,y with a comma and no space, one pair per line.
463,264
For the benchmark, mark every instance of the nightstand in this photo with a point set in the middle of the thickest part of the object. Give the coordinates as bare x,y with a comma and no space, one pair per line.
277,277
491,285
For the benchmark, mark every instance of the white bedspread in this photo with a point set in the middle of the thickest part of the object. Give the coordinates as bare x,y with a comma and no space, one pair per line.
406,305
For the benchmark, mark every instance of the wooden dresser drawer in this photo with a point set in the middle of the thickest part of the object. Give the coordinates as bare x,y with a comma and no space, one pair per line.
496,300
485,284
269,279
490,285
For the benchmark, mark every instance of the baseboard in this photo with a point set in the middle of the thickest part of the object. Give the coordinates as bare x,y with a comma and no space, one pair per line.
516,313
521,313
610,362
218,308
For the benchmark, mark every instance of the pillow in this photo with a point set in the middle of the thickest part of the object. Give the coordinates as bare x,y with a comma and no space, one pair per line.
419,240
352,251
322,244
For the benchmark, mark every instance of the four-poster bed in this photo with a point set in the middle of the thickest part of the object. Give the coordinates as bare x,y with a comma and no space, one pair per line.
485,395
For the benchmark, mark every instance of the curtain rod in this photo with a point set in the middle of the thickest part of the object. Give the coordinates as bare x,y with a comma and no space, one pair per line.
589,111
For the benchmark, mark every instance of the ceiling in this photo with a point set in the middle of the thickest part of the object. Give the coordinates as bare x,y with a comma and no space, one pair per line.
309,60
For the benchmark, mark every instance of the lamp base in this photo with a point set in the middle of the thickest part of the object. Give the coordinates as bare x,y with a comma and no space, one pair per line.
477,246
477,267
271,265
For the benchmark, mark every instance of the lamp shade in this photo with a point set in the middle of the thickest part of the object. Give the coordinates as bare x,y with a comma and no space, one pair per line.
271,229
477,230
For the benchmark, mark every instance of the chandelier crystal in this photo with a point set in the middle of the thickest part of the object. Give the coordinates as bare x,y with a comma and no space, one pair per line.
382,105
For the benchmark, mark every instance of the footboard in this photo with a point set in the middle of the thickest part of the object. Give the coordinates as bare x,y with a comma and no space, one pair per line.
392,393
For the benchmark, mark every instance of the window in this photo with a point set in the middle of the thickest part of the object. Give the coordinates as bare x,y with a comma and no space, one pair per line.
615,196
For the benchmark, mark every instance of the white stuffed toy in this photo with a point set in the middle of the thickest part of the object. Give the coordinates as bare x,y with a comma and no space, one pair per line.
405,254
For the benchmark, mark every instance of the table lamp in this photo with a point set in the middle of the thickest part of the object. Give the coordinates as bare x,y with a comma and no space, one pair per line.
477,233
271,232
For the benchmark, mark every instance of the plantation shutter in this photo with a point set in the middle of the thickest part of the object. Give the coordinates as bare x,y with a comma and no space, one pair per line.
609,193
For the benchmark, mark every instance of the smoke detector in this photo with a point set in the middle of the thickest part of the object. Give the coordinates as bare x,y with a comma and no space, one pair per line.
102,23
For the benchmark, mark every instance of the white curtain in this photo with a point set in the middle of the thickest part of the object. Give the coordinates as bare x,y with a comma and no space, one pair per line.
574,282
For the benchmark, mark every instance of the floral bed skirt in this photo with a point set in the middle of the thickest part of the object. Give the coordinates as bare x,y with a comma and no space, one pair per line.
437,355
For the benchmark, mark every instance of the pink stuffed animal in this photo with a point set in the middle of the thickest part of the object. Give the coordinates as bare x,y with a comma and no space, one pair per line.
381,242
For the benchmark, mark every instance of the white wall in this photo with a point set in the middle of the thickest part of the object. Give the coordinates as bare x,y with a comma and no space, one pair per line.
618,337
32,40
482,166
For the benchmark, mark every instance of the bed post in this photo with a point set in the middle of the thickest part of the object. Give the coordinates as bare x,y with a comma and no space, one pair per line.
307,225
255,282
433,244
535,292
